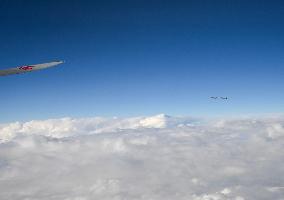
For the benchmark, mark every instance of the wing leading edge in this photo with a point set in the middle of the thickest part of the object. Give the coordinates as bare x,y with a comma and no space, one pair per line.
28,68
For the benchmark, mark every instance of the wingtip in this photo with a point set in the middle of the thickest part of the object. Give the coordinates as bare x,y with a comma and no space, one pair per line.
60,61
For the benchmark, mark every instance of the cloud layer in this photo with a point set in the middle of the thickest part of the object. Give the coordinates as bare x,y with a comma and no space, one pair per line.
158,157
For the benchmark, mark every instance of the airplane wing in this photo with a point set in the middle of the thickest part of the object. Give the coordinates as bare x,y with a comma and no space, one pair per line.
28,68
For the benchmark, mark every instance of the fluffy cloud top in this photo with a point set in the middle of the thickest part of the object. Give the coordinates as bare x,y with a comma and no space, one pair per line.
158,157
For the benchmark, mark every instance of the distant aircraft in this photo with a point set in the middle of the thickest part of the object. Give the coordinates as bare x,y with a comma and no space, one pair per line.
28,68
219,97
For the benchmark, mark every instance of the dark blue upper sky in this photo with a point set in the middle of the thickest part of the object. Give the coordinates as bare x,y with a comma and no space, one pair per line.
135,57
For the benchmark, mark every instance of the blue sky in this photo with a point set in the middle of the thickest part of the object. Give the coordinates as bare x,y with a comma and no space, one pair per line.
130,58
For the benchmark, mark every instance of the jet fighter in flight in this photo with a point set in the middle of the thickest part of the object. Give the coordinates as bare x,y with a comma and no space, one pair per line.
28,68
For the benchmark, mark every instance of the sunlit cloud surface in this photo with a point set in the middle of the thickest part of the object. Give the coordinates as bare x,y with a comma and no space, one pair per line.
158,158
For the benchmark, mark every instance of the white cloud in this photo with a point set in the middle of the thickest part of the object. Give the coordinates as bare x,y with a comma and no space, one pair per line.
158,157
275,130
159,121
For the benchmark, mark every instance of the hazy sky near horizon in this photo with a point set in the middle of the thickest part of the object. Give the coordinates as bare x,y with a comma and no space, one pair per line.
130,58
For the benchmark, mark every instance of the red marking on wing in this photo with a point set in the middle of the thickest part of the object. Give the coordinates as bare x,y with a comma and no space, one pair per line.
26,68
